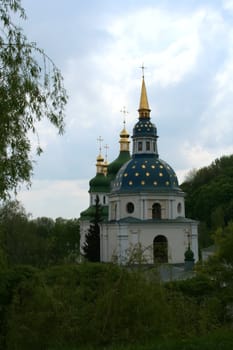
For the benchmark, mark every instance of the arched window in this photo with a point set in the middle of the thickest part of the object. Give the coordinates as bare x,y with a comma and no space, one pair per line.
139,146
130,208
160,249
156,211
104,200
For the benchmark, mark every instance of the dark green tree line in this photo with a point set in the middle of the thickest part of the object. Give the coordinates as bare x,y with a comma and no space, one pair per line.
209,197
40,242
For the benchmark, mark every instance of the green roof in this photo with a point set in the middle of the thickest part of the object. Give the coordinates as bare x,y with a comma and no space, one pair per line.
115,166
100,183
89,213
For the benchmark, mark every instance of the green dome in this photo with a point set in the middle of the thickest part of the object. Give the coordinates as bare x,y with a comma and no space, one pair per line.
100,183
145,174
89,213
115,166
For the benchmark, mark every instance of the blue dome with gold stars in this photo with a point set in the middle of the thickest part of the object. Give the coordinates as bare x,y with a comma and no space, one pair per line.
145,174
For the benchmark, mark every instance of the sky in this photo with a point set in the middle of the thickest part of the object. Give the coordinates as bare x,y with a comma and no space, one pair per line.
99,45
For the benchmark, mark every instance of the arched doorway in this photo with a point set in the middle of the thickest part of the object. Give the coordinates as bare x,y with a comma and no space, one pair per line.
160,249
156,211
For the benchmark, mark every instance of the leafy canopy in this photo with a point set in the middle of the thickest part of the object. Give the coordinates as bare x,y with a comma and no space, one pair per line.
209,197
31,89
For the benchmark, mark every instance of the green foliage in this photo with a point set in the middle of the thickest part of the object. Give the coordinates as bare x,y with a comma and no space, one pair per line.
220,266
91,247
111,301
3,259
39,242
204,235
9,281
20,243
31,89
210,197
197,287
224,241
218,340
64,243
219,269
72,306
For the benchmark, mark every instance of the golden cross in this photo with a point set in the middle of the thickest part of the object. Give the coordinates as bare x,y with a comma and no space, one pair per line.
143,69
106,152
100,143
124,111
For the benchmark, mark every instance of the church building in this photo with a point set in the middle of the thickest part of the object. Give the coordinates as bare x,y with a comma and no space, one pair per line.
143,205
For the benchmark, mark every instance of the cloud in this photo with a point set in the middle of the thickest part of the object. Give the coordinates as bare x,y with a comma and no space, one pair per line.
168,43
187,50
228,5
217,119
55,198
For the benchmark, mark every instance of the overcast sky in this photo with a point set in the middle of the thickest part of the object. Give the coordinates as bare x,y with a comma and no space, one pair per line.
99,45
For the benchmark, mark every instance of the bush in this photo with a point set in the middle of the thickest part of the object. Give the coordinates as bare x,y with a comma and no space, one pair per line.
95,304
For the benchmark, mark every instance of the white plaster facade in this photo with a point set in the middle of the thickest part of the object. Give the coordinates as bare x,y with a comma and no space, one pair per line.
172,206
125,230
118,239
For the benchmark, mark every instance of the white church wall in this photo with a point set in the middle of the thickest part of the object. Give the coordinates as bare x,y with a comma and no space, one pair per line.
121,238
109,244
103,198
171,206
175,238
194,240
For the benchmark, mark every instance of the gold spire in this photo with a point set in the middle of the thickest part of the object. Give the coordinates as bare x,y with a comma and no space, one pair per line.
144,109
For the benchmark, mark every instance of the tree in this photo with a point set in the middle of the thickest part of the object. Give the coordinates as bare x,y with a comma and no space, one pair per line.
219,269
91,246
64,243
31,89
209,196
19,238
224,241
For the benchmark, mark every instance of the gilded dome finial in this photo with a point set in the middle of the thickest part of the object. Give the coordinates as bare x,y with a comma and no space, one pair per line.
144,109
